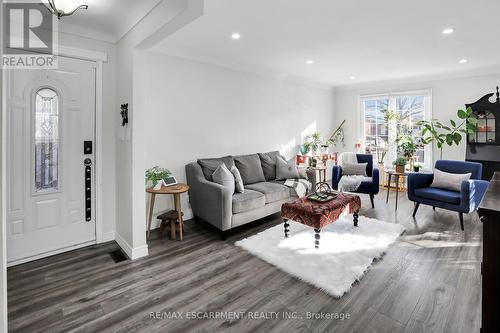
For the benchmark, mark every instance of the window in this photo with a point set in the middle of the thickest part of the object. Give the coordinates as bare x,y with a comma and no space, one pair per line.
388,116
46,140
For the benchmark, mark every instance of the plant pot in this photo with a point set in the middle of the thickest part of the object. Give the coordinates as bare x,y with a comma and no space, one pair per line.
400,168
416,168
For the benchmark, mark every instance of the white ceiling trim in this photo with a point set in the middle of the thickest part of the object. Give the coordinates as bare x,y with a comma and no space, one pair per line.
86,32
486,71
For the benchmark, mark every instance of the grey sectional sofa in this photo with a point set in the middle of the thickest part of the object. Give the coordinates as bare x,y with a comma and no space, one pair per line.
263,194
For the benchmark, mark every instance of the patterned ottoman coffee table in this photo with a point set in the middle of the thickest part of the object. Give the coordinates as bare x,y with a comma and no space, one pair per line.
319,214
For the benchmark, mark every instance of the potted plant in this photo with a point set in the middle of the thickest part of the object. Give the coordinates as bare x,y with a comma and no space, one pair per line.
400,164
407,147
435,131
416,167
156,175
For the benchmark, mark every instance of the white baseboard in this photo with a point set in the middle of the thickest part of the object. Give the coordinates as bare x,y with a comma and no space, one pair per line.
132,253
108,236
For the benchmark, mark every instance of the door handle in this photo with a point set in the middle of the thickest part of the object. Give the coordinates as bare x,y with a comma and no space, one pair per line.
88,189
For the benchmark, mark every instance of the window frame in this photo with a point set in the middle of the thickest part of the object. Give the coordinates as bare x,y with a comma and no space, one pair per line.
392,96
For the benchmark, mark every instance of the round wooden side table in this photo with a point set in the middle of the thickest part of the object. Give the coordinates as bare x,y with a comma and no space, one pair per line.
176,190
398,175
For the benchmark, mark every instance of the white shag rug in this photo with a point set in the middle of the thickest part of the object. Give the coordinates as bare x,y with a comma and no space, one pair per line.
344,254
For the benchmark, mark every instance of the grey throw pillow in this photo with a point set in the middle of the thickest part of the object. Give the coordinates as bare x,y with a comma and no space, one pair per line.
449,181
302,173
268,162
350,169
250,168
209,165
237,178
224,177
286,170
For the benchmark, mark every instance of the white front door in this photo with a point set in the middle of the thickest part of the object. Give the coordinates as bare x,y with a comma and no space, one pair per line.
51,201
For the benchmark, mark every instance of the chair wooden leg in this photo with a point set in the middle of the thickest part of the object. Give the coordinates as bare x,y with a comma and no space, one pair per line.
415,209
371,199
461,216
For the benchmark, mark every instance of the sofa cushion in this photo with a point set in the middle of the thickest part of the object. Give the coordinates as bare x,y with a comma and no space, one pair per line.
237,179
243,202
224,177
250,168
272,191
286,170
449,181
209,165
268,162
291,191
438,194
350,169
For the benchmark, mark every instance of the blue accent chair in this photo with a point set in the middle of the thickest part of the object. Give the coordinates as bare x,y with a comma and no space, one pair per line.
370,188
465,201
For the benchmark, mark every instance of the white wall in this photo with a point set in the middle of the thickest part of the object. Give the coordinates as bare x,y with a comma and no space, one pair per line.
167,17
448,96
110,112
196,110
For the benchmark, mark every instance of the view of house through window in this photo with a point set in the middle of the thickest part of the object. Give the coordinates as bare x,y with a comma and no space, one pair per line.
388,117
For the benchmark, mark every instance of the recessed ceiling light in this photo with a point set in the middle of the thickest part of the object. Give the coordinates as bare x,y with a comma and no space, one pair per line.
448,31
235,35
462,61
310,62
352,77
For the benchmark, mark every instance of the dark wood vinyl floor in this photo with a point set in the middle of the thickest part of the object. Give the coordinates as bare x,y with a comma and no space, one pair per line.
427,283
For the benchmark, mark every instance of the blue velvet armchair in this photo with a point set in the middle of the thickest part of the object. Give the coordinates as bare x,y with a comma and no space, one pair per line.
465,201
371,187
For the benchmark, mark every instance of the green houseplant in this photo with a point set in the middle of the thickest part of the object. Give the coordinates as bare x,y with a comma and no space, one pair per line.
156,174
435,131
400,164
407,146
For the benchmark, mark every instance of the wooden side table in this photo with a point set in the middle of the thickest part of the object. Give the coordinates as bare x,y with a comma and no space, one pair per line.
176,190
389,175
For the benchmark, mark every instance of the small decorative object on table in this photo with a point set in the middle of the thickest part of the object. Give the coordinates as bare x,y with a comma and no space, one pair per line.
323,193
400,164
157,177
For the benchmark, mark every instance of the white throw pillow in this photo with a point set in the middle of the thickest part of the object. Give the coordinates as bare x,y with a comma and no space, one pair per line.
449,181
224,177
237,178
349,169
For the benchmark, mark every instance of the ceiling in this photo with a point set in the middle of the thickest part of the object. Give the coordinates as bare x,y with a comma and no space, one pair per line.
370,40
106,20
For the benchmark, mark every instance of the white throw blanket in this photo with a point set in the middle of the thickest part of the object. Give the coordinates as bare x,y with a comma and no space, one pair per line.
350,183
301,186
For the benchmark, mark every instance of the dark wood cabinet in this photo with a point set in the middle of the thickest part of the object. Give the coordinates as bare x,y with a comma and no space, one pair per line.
489,211
484,145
